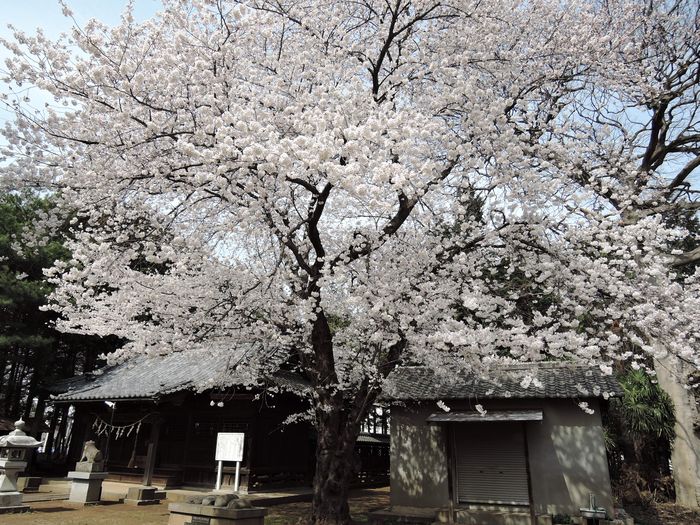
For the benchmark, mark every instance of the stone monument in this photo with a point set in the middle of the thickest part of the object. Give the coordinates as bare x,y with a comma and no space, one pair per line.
219,509
87,478
13,460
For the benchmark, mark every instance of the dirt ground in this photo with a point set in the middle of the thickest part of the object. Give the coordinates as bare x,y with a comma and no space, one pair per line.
63,513
361,502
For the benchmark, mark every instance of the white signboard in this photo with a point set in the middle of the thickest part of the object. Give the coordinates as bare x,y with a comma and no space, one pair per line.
229,446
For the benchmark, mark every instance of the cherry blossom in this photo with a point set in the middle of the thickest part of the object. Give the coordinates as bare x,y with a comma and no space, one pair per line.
337,188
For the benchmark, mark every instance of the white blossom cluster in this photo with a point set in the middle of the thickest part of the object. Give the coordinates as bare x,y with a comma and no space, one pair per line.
455,184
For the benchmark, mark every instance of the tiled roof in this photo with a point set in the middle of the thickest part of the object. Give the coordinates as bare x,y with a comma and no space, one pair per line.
557,381
489,415
373,439
154,376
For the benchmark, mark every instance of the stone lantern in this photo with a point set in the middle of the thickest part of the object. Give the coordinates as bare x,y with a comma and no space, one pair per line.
14,449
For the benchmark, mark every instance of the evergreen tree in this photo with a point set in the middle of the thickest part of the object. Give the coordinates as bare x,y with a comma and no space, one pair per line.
32,352
26,339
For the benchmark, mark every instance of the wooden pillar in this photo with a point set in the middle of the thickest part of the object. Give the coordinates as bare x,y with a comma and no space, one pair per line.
188,439
152,451
252,451
112,410
184,476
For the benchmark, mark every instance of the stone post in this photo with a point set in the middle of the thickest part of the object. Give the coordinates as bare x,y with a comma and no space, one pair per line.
147,494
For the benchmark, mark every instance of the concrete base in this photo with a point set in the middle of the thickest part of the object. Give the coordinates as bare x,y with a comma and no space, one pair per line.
405,515
138,496
496,517
14,510
434,516
86,487
189,513
28,484
11,502
10,499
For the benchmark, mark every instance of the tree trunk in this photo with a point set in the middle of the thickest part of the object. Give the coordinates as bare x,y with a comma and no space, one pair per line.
339,415
10,388
62,429
32,391
334,468
48,448
38,422
19,391
672,375
3,372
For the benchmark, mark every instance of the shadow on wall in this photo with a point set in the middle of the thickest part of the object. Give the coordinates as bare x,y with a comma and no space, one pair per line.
566,455
572,464
418,463
581,470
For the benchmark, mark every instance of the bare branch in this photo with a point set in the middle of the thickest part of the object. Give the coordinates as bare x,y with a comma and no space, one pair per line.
687,258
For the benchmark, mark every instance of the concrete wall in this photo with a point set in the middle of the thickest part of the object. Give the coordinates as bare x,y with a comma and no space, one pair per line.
418,460
568,459
566,452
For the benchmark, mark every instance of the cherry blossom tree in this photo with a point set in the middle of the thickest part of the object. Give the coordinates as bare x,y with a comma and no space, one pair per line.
337,188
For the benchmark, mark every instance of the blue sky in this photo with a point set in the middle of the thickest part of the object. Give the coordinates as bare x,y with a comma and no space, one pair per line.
28,15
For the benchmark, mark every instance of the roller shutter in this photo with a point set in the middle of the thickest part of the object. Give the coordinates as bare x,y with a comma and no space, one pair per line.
491,465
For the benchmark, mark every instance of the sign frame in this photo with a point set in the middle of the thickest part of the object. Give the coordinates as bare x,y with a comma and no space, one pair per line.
229,447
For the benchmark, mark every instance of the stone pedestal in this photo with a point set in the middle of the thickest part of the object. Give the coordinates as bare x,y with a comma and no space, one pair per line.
9,471
190,513
86,487
10,496
28,484
141,496
11,502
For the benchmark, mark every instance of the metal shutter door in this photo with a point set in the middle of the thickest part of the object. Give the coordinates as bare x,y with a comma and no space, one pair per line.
491,466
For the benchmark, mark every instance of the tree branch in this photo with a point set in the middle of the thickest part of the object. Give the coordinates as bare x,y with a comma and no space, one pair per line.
687,258
406,206
684,173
